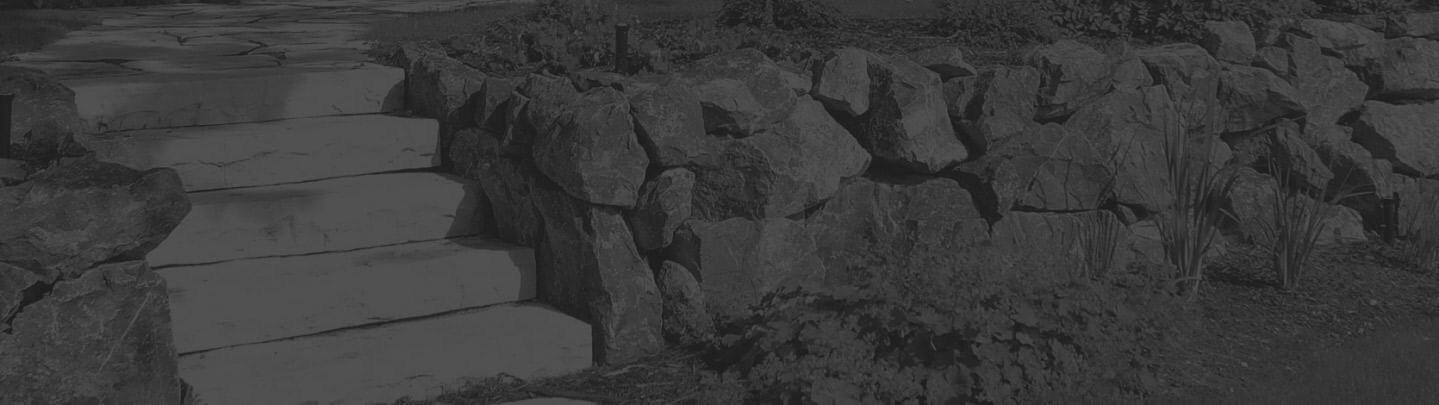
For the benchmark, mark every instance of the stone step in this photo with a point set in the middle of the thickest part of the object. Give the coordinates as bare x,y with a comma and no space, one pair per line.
323,216
257,300
256,154
419,359
170,100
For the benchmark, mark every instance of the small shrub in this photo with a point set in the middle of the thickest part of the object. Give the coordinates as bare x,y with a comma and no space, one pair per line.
1179,19
1419,228
783,14
1366,6
996,22
1188,230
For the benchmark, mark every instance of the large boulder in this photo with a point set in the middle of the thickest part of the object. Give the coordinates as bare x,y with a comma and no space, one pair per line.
508,184
44,117
1407,69
82,212
437,86
1419,25
670,124
907,124
796,165
1355,169
893,220
488,104
534,108
1071,74
1402,134
589,267
1229,41
592,153
1128,128
1327,88
1305,165
842,81
997,104
738,261
742,92
1045,168
1191,77
1254,97
1252,204
100,338
664,204
1356,46
947,60
686,321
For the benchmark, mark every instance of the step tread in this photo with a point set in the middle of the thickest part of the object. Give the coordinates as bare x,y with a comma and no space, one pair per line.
254,154
256,300
323,216
418,358
171,100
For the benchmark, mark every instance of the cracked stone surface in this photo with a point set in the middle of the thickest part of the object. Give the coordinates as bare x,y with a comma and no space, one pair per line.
208,38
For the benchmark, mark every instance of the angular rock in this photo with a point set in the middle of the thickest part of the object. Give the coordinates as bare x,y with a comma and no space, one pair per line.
1045,168
996,105
794,166
664,204
1354,168
742,92
1253,97
907,124
1275,59
1402,134
1191,76
1229,41
947,60
670,124
13,283
738,261
1128,128
685,319
1071,74
534,108
592,152
1063,245
1307,166
101,338
893,221
1253,206
74,215
1327,89
1130,73
508,184
798,82
489,103
588,266
44,116
1357,46
1419,25
1407,69
842,81
437,86
12,171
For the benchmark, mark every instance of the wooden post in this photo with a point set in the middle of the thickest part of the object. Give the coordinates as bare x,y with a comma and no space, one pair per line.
6,102
622,48
1389,210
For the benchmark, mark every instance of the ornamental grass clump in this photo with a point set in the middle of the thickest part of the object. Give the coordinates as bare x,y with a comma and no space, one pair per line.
1188,230
1419,228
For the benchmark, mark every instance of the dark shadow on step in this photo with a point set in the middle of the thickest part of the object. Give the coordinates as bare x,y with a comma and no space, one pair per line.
474,217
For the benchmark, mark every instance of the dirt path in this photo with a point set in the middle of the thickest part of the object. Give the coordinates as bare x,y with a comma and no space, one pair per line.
1398,366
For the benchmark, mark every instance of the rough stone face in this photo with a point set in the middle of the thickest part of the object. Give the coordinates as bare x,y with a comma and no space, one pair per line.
1191,76
664,204
43,117
738,261
66,219
794,166
947,60
1407,69
1253,97
1061,244
592,153
1071,74
996,105
1252,203
892,220
13,171
842,81
1229,41
1045,168
1128,127
1354,167
1327,89
437,86
1420,25
743,92
534,108
489,103
907,124
508,184
1356,45
1402,134
1130,73
670,124
686,321
101,338
1307,167
588,266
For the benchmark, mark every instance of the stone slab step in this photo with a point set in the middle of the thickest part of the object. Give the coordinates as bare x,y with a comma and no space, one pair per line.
323,216
286,151
550,401
169,100
256,300
419,359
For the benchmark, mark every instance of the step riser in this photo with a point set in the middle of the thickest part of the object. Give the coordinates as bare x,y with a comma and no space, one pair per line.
180,100
243,155
219,305
326,216
416,358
